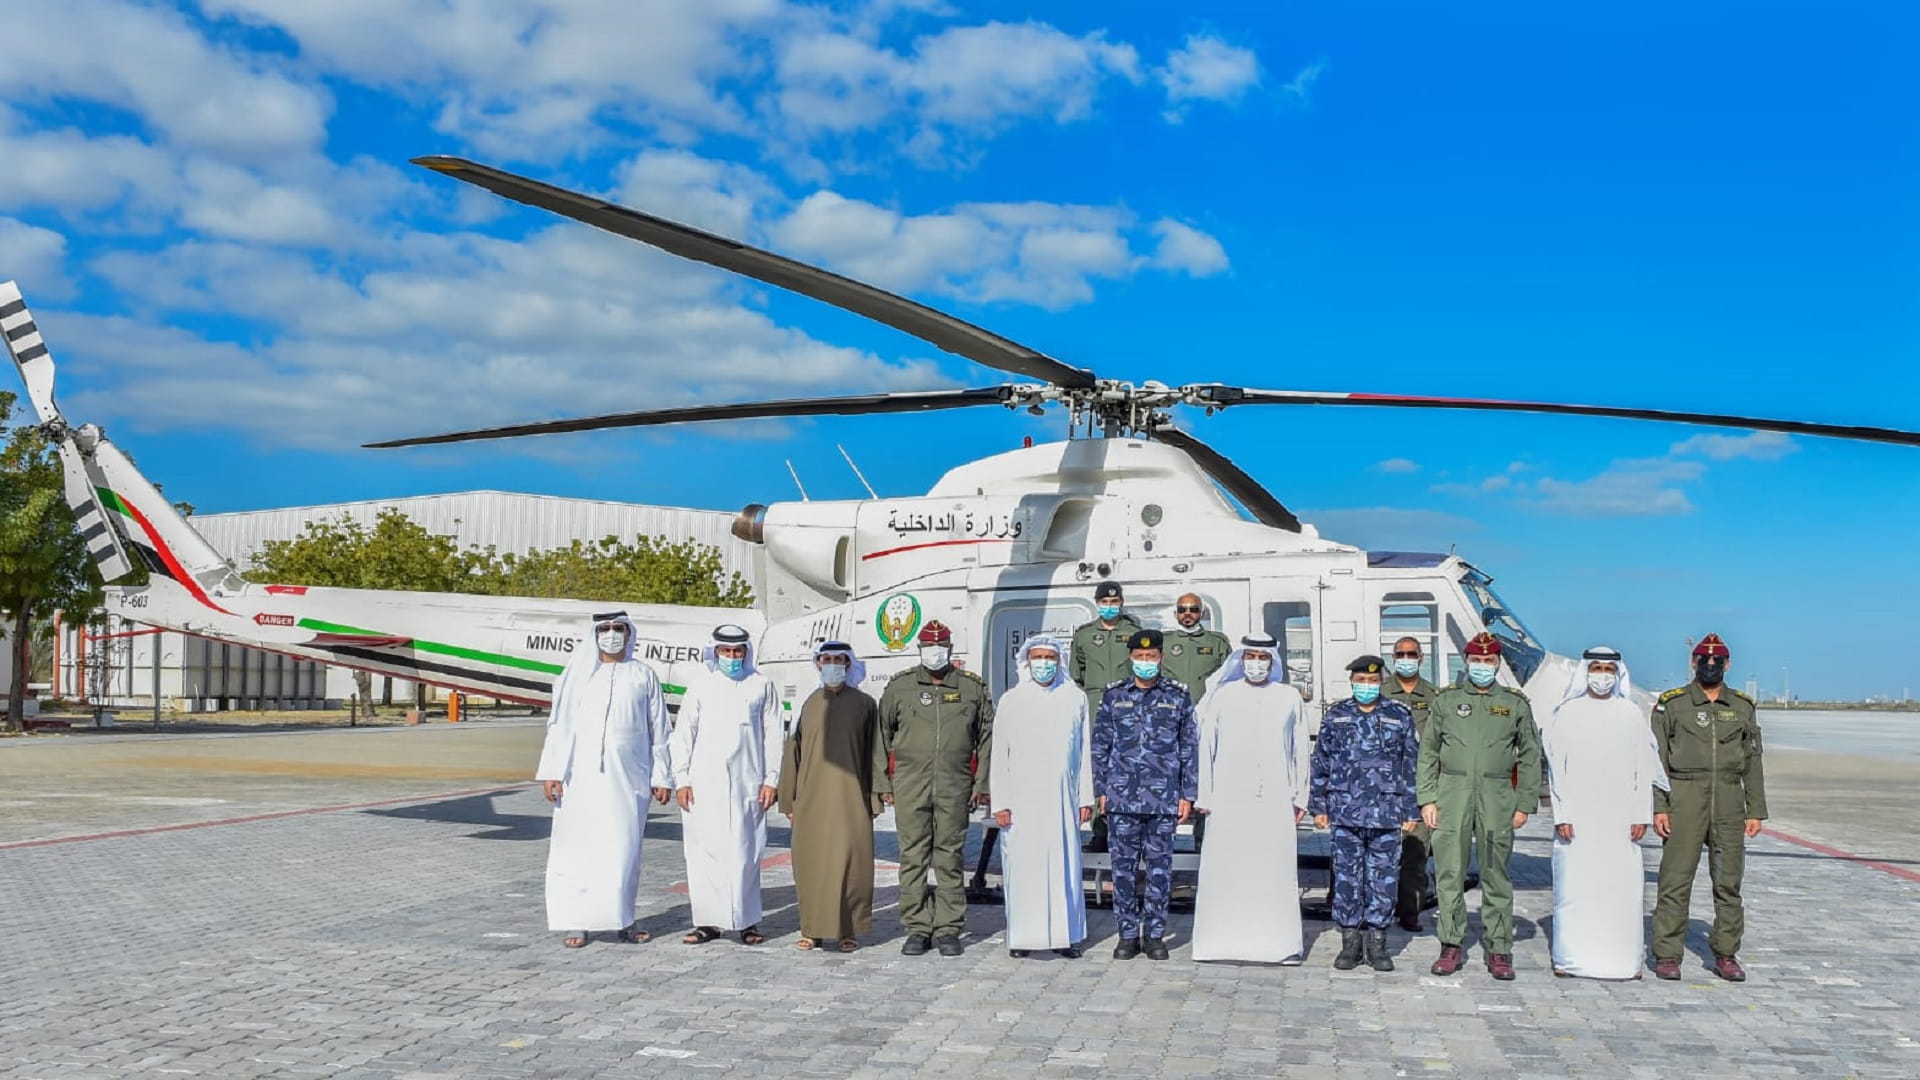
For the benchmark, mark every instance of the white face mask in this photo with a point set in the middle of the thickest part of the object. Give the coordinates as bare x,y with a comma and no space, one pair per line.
935,657
833,674
611,642
1601,683
1258,670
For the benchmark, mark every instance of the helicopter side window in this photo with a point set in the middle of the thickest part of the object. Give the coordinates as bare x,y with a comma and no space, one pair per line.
1291,622
1456,656
1415,615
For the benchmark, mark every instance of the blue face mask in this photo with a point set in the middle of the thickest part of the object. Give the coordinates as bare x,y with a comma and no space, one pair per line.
1482,674
833,675
1043,671
1366,693
1146,669
732,666
1406,669
1109,612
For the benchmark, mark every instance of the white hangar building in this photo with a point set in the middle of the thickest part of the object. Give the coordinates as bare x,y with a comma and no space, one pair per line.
116,668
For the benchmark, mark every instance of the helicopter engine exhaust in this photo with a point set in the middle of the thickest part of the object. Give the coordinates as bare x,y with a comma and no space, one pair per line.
750,524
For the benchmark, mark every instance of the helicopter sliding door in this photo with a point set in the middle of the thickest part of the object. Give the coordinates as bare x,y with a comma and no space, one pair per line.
1319,622
1018,615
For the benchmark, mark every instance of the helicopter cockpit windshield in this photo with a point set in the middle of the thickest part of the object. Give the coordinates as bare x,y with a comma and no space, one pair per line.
1523,651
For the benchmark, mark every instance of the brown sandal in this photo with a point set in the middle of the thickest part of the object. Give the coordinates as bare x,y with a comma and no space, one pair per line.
847,944
805,944
701,935
577,939
633,935
752,936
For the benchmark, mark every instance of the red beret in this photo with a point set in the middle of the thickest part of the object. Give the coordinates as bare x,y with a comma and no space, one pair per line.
1711,645
936,633
1483,644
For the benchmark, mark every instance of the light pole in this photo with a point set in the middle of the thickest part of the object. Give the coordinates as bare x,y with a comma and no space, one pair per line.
1786,689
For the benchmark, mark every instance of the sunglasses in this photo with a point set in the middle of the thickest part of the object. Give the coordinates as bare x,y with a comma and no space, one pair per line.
1409,655
1185,610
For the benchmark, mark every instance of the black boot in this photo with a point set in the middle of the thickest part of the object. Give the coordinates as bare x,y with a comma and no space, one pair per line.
1350,948
1377,950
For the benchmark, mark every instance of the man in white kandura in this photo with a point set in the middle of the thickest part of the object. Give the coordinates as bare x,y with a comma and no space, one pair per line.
1254,773
726,769
1042,794
606,746
1602,768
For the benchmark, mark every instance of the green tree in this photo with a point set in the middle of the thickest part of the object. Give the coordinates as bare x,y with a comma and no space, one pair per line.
44,565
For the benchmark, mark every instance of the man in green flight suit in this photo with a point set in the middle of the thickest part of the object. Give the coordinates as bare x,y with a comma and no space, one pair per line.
936,722
1192,655
1099,658
1410,688
1709,743
1478,734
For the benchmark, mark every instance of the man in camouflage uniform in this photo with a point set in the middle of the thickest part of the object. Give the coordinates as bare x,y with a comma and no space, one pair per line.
1478,734
1709,742
936,721
1097,659
1410,688
1146,773
1363,782
1191,657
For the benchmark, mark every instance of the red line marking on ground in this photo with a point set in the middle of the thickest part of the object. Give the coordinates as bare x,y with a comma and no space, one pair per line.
1836,853
934,544
250,818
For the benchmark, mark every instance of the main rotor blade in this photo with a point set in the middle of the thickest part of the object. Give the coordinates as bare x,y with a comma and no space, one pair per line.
1237,395
936,327
1258,500
748,410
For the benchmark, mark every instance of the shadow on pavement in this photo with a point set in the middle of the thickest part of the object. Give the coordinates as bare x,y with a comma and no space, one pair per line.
475,810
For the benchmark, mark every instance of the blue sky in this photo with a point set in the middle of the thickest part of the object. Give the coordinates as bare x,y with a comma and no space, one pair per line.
210,209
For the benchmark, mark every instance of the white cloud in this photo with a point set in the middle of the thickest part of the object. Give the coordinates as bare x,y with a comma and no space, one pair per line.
155,64
487,331
1207,68
1397,465
1302,82
1187,250
1048,254
949,88
68,170
1630,487
1756,446
34,257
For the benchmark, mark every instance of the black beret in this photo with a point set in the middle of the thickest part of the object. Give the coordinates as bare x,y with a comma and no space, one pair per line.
1367,665
1145,639
1107,590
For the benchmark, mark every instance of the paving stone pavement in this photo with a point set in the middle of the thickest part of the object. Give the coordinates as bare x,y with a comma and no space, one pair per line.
407,943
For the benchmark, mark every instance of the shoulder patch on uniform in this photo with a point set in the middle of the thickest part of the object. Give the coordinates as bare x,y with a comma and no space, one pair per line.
1669,695
1736,693
971,675
1516,692
901,674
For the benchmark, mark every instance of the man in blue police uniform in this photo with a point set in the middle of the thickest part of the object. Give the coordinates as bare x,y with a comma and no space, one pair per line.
1146,773
1363,789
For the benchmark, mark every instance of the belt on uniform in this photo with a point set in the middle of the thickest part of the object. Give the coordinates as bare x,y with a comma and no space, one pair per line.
1503,774
1704,774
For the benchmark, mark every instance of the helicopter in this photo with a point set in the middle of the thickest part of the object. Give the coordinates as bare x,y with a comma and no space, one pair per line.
999,549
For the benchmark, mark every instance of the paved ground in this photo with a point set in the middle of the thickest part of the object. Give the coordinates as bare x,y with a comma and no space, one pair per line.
407,940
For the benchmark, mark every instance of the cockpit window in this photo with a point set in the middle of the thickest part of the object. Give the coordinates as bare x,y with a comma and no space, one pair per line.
1523,651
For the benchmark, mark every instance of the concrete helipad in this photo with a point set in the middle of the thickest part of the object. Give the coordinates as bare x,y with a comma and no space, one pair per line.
367,904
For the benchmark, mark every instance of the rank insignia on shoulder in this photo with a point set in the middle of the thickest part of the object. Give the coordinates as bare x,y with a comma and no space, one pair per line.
1669,695
1501,710
1463,709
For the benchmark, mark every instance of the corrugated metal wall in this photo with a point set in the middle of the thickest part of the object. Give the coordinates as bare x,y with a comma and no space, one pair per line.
507,521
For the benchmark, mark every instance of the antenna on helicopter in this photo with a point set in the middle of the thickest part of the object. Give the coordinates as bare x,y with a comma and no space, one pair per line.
871,494
796,481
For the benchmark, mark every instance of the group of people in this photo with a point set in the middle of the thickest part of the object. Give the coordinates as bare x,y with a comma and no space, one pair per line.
1103,731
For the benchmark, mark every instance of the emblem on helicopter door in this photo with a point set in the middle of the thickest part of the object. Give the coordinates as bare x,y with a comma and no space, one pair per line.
897,621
